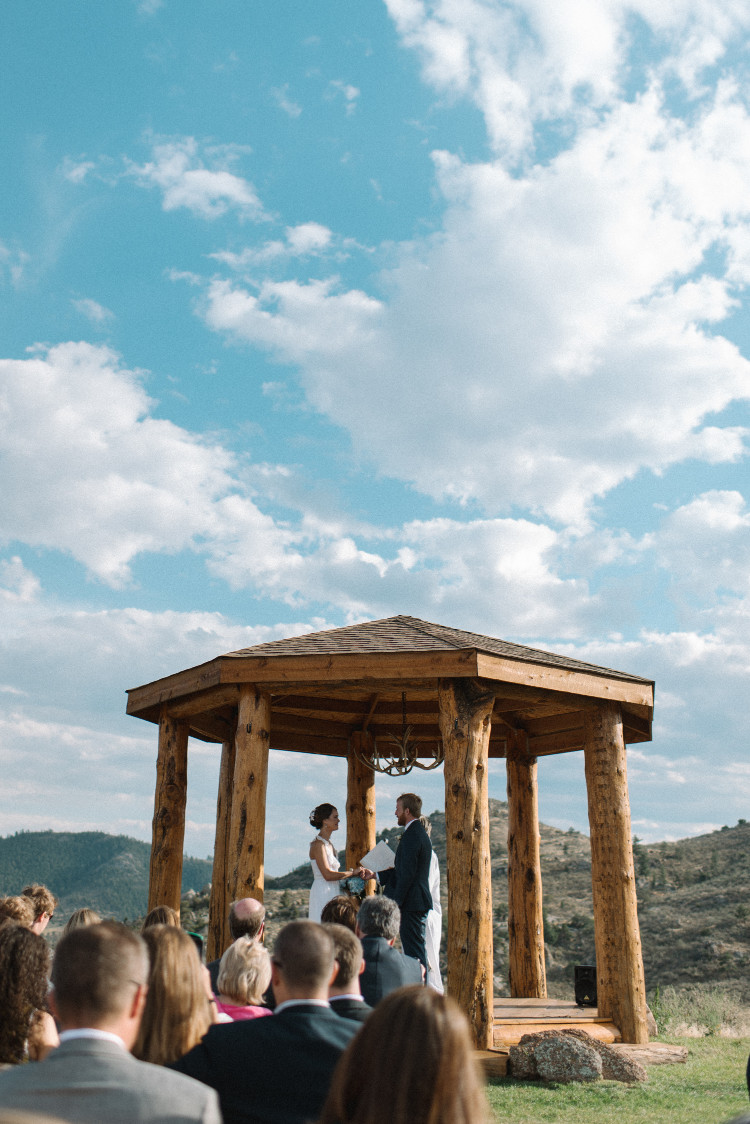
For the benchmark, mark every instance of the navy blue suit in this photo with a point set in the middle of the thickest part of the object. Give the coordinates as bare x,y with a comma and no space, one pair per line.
274,1070
408,883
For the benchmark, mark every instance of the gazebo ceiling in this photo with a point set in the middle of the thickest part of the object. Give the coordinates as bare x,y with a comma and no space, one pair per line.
326,685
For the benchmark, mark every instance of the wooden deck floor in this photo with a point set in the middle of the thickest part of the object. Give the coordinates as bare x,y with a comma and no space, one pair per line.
516,1017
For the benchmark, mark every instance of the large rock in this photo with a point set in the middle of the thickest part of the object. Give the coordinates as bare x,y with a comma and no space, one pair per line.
524,1059
521,1062
563,1059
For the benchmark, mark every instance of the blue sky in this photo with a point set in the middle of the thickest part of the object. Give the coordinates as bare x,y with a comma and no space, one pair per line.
319,313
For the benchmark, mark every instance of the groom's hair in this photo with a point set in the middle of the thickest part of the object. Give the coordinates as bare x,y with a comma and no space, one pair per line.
379,917
411,803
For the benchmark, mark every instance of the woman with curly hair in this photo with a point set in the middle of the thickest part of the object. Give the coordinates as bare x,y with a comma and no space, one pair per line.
27,1030
180,1005
411,1063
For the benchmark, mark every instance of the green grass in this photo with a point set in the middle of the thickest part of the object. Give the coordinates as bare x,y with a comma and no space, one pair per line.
709,1089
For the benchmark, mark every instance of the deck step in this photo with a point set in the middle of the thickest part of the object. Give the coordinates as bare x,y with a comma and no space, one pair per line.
494,1063
509,1032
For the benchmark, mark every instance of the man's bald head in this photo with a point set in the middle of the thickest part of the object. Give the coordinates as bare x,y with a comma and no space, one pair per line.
247,918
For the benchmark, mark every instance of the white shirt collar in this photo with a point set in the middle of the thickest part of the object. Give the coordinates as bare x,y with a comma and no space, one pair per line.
91,1032
301,1003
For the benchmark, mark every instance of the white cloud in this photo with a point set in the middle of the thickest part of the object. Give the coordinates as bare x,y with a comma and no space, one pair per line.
280,95
307,237
16,582
348,92
304,240
89,471
198,178
529,61
705,547
13,263
92,310
550,341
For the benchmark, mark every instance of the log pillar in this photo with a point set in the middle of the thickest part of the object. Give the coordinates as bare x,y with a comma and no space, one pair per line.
248,817
218,910
621,991
168,827
465,720
360,808
528,979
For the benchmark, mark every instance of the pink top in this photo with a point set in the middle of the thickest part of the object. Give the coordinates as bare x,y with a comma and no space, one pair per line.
239,1013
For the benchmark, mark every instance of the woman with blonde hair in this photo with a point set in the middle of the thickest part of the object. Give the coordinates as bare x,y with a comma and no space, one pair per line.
161,915
244,975
180,1006
80,918
411,1063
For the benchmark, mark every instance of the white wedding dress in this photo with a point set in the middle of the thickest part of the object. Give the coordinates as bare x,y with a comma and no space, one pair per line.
321,890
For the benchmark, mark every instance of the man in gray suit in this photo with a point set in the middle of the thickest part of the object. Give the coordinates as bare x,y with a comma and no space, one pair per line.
99,978
386,968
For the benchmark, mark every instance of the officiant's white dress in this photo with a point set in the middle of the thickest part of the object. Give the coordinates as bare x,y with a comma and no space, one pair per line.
434,929
321,890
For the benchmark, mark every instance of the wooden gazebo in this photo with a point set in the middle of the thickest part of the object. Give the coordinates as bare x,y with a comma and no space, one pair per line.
332,692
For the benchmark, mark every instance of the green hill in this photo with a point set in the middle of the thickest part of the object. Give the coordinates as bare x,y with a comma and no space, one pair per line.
108,873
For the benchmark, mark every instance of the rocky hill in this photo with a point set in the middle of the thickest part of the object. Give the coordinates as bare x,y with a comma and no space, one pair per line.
695,921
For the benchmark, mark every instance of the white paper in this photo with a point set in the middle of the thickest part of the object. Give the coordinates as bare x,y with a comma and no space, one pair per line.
381,857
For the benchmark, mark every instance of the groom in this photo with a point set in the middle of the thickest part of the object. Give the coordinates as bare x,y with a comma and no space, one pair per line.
408,882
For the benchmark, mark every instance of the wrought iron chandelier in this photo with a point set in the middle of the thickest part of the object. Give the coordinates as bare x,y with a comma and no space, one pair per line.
395,756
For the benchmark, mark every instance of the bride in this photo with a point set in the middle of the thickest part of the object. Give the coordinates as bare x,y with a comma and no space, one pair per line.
324,860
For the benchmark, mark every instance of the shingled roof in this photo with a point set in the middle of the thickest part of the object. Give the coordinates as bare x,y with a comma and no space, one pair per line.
410,634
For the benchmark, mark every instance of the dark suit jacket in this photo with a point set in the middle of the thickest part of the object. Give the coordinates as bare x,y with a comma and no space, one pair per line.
277,1073
408,882
355,1009
89,1080
385,970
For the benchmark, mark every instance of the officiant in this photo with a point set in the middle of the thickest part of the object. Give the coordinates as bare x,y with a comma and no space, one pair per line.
408,880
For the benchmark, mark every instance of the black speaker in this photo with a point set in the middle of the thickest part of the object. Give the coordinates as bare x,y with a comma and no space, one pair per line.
585,984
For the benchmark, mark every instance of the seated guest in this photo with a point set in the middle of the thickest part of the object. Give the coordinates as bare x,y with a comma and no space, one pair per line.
99,989
244,974
180,1006
44,903
161,915
277,1070
17,909
247,918
27,1030
386,968
79,918
412,1063
341,910
344,994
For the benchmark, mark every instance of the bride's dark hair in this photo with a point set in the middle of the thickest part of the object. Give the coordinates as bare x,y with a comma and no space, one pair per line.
321,813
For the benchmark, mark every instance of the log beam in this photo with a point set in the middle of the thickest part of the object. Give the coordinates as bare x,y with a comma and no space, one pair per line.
525,921
248,822
218,909
360,808
621,992
465,723
168,827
